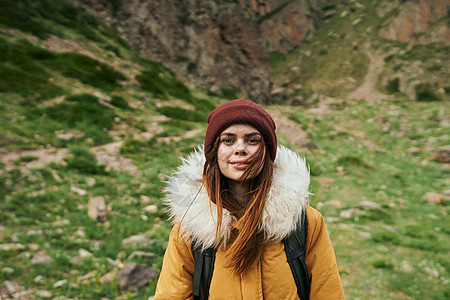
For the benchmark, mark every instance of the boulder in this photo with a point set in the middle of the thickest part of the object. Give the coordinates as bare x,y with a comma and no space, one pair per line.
433,198
443,154
350,213
133,276
97,209
140,240
369,205
41,257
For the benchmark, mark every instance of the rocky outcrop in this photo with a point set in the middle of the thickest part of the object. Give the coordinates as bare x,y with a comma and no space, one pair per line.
216,45
285,24
416,22
222,46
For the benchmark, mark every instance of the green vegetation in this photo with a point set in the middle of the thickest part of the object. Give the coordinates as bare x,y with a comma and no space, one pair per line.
162,82
357,160
84,161
73,128
40,17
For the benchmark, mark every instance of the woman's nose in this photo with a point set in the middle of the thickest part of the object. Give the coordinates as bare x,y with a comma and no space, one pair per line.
240,148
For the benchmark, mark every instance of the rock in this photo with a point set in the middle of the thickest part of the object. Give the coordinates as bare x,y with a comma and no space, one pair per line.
147,255
108,277
106,104
331,219
309,144
139,240
90,181
443,154
113,262
56,176
97,209
366,235
369,205
7,270
277,91
80,232
12,290
413,151
329,14
151,209
414,18
350,213
44,294
11,247
60,283
295,69
87,276
33,247
433,198
134,276
432,272
296,101
78,191
64,136
356,22
59,223
335,203
41,257
446,194
145,200
162,177
102,96
83,254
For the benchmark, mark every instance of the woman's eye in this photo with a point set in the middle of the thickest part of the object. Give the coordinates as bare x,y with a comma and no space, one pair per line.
227,141
253,141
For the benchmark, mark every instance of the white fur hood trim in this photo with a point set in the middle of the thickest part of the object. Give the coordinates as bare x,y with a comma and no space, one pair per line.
285,203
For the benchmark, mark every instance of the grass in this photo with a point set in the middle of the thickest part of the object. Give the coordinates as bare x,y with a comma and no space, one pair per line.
162,82
361,155
407,235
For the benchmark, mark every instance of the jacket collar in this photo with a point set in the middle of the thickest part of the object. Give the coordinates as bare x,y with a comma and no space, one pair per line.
285,203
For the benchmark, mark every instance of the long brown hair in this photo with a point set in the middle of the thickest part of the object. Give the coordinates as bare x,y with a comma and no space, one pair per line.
247,241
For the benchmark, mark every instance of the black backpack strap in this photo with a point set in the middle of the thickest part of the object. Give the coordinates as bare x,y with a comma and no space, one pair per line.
204,267
295,247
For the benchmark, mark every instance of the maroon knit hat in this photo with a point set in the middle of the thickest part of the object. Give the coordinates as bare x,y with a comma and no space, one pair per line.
241,111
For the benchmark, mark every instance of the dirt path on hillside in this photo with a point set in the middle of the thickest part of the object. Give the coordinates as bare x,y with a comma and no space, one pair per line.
367,90
107,154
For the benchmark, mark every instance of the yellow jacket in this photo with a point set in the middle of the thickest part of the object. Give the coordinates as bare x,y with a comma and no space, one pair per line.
270,277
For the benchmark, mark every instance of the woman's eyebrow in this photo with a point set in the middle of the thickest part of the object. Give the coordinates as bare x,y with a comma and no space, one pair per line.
252,134
228,134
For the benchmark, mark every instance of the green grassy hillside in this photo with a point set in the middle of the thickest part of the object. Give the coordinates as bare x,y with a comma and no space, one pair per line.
82,116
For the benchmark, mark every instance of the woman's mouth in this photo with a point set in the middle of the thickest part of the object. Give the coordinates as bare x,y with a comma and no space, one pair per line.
240,165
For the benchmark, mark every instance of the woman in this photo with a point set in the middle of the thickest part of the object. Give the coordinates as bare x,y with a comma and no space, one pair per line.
242,195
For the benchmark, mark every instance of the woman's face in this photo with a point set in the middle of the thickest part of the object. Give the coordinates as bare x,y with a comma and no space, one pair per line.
238,145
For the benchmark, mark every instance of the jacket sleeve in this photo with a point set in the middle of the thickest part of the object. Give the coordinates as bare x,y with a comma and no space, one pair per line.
175,280
321,261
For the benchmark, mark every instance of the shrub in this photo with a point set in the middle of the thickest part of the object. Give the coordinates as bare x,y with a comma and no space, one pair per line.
182,114
162,82
382,263
81,108
425,93
384,236
393,85
118,101
84,161
86,69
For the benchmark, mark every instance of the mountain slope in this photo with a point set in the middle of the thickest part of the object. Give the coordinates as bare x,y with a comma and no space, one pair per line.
84,119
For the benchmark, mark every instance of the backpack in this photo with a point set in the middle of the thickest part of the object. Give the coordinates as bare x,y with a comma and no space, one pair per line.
294,246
